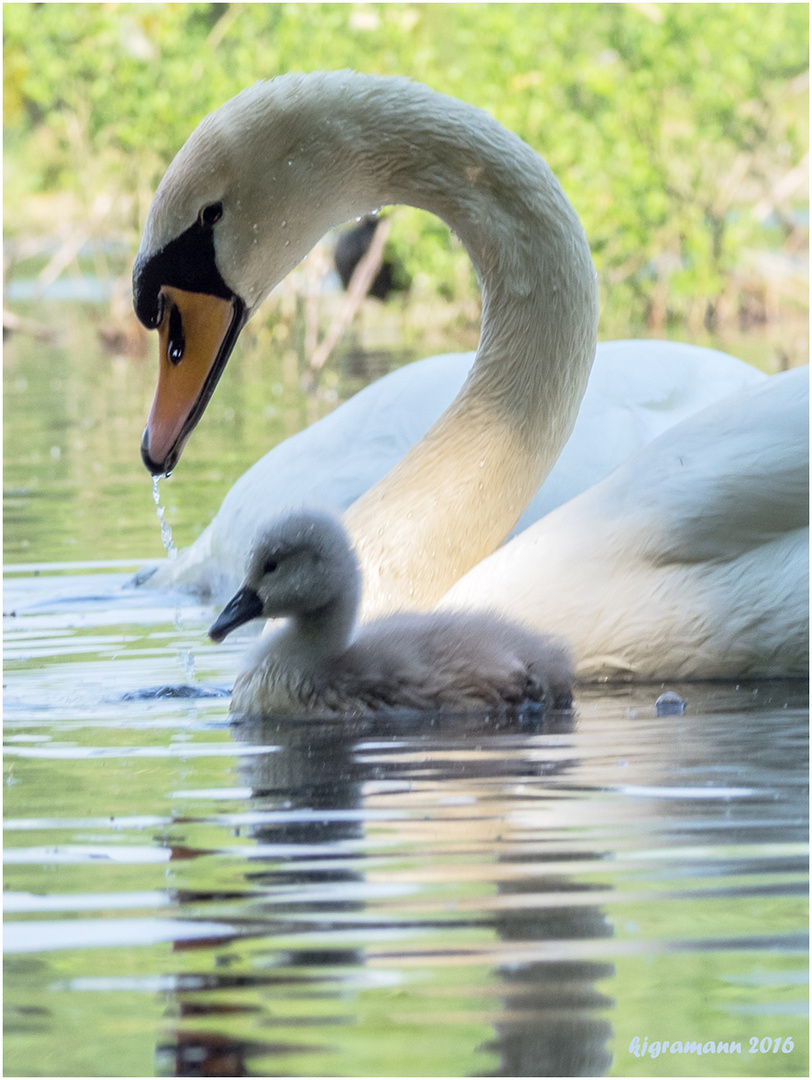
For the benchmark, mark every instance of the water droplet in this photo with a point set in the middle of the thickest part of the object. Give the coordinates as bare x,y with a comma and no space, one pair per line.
185,656
166,531
669,704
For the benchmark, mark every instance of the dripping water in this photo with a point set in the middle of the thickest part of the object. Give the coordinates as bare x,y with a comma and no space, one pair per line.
166,531
185,656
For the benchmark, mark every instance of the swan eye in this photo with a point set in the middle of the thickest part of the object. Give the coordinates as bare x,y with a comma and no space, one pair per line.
270,566
176,342
210,215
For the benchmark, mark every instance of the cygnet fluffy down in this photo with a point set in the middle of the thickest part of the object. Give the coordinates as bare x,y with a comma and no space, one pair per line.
318,662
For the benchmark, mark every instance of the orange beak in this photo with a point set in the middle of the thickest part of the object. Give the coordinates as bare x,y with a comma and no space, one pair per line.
196,335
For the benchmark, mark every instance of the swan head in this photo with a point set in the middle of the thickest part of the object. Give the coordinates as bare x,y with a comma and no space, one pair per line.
300,566
241,204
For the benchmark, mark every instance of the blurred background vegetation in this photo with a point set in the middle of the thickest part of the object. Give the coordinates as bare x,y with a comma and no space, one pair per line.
679,131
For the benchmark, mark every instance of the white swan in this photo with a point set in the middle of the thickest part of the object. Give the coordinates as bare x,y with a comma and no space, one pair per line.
302,567
262,179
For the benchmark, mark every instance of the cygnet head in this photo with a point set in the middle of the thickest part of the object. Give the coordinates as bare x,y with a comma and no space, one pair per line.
301,566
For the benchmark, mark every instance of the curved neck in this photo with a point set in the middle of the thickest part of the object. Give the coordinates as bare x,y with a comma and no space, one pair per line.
371,141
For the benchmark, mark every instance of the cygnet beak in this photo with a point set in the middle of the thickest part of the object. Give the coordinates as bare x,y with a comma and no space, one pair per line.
241,608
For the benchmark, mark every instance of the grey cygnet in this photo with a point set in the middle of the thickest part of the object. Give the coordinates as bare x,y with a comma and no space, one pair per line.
320,662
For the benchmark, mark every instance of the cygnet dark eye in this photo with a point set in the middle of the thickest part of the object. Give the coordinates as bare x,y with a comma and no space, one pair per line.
210,215
270,566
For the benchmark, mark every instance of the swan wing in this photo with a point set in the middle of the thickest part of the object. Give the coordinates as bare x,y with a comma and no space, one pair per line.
636,391
730,478
690,560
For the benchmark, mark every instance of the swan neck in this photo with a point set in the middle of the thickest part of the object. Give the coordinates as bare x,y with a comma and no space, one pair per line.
530,252
458,493
358,143
324,148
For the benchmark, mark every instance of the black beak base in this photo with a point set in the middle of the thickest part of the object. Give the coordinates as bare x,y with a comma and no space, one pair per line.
241,608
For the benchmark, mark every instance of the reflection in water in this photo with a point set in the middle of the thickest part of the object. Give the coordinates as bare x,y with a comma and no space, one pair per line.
421,896
314,796
301,796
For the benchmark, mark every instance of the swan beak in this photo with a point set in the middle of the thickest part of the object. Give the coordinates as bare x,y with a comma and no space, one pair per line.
196,335
243,607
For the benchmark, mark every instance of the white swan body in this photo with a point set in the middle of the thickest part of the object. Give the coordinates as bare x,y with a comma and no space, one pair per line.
691,560
262,179
636,390
302,567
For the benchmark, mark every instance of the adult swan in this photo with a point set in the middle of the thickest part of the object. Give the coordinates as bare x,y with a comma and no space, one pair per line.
262,179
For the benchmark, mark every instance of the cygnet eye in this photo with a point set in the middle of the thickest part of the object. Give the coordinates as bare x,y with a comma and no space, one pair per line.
210,215
270,566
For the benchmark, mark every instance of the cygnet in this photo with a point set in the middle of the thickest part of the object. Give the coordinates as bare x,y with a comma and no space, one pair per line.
318,662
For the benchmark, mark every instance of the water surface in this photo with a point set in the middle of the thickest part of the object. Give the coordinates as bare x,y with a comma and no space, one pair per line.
422,896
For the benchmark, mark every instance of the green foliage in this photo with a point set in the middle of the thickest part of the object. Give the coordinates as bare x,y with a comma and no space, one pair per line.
667,123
